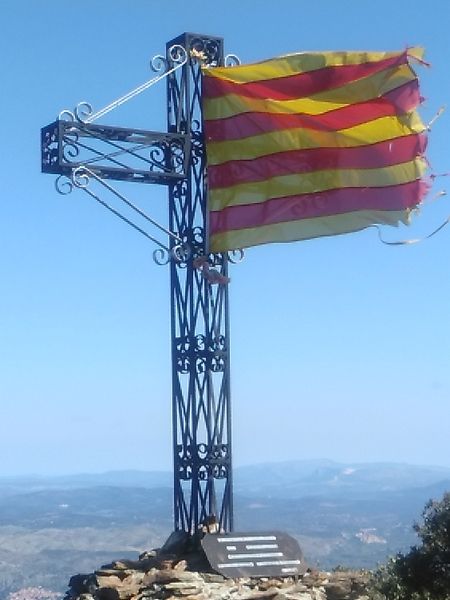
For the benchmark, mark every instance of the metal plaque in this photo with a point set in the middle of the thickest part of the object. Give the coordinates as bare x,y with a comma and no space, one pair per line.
272,554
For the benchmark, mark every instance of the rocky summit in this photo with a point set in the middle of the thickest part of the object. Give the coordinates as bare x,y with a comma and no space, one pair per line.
180,571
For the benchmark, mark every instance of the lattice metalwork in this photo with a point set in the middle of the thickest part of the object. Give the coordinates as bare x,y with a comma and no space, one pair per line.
200,322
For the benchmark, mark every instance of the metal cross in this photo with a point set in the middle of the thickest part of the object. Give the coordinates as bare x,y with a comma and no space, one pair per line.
80,151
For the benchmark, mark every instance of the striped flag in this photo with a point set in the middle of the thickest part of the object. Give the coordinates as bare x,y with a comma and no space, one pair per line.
310,145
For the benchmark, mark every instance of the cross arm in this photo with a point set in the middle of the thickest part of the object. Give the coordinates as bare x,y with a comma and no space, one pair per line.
114,152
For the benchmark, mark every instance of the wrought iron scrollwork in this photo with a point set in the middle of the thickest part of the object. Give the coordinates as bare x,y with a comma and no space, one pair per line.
177,55
232,60
191,351
115,152
219,343
66,115
215,260
197,151
197,241
184,459
83,111
200,342
158,157
235,256
217,363
70,147
185,471
158,63
63,185
81,177
198,235
179,253
213,461
208,50
161,256
203,352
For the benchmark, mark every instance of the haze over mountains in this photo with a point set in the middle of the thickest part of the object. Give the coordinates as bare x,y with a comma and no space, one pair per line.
343,514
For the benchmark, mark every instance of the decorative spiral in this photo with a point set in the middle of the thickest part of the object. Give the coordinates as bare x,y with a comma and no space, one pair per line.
185,472
219,343
70,148
177,54
184,452
198,235
80,177
209,49
200,342
200,365
161,256
232,60
157,157
178,156
197,148
235,256
63,185
158,63
214,260
217,364
202,450
222,472
83,111
66,115
183,365
70,151
203,473
180,189
181,253
183,344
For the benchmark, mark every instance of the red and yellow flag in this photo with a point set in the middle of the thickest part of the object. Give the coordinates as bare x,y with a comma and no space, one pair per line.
312,144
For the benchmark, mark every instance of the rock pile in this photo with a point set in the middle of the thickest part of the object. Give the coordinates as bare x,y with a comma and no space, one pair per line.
162,575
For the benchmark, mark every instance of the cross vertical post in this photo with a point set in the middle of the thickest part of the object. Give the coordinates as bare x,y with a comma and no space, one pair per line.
201,411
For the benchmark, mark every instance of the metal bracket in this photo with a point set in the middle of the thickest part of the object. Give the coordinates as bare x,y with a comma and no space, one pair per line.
80,178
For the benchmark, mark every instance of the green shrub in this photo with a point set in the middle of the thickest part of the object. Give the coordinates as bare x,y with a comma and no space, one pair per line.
424,572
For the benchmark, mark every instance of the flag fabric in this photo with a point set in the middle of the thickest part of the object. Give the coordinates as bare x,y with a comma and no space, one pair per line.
312,144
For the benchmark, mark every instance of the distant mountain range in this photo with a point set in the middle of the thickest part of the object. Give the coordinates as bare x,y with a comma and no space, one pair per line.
130,478
282,478
351,514
303,478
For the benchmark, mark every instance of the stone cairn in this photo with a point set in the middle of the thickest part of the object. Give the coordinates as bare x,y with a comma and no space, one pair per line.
180,571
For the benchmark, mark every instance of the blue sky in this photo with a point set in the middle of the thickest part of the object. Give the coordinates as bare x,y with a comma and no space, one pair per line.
340,346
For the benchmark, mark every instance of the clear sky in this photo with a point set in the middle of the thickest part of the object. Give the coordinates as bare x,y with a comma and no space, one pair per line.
340,346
